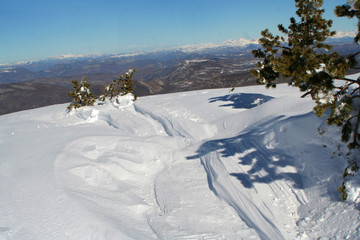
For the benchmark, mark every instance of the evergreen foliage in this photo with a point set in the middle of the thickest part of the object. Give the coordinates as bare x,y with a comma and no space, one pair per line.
350,9
120,87
82,96
302,56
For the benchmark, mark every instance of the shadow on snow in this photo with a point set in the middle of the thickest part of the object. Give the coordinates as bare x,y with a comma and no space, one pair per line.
257,153
242,100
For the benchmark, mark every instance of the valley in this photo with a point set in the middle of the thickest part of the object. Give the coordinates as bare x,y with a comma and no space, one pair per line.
35,84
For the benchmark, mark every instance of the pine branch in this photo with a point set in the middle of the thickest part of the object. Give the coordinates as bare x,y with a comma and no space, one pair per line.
350,118
307,93
354,54
355,134
356,89
342,89
347,80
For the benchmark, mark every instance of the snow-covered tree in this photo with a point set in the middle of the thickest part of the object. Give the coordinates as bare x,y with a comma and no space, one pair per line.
302,56
120,87
82,96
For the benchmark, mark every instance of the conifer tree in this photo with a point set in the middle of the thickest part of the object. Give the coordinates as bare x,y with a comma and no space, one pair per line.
82,96
302,56
350,9
120,87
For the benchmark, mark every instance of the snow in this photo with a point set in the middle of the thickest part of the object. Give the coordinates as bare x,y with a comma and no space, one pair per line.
205,164
8,70
353,188
342,34
196,61
228,43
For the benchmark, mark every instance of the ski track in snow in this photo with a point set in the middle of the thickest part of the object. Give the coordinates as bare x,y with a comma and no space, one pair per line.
166,168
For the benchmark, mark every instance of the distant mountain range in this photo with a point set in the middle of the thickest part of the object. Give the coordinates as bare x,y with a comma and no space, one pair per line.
38,65
182,68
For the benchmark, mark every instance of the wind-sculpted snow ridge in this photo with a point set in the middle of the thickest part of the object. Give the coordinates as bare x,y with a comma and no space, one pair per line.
205,164
242,168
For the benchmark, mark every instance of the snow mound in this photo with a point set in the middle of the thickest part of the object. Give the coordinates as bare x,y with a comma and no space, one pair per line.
123,101
353,189
195,165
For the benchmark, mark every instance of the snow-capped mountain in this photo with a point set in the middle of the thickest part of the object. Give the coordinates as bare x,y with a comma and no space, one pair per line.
239,43
160,71
342,34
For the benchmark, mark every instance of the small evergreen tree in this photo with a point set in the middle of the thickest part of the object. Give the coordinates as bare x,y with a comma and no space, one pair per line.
82,96
120,87
307,61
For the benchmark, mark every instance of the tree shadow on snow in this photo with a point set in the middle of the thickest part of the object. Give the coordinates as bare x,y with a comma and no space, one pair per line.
259,159
242,100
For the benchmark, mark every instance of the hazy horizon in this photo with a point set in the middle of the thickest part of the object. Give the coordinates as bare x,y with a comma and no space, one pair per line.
39,29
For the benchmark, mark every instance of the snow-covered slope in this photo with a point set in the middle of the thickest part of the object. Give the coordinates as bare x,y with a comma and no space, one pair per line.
207,164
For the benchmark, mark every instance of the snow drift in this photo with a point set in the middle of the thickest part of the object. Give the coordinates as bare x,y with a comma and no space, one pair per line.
206,164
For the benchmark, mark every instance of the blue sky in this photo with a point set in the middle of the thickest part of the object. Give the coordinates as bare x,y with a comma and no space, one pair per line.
36,29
